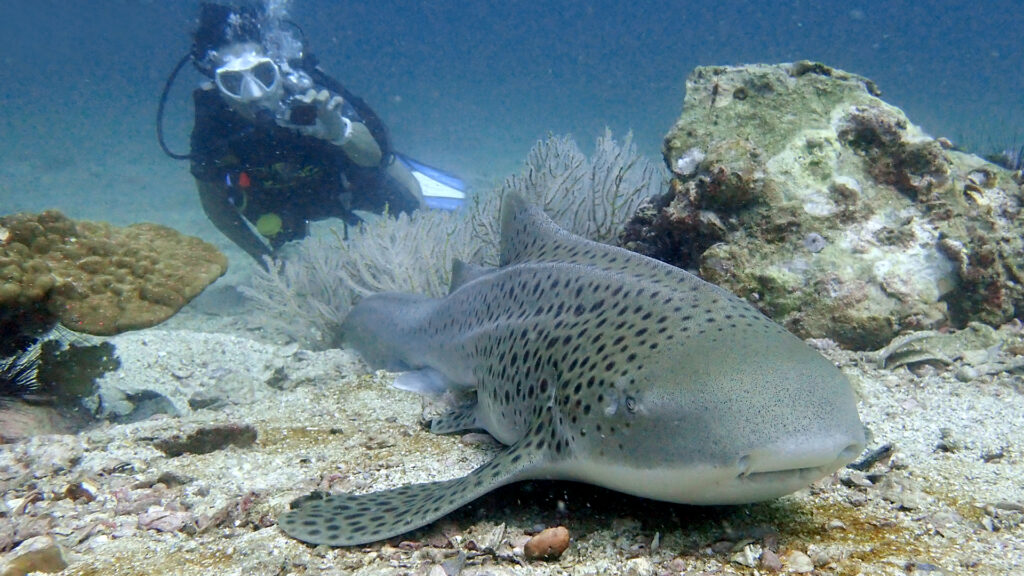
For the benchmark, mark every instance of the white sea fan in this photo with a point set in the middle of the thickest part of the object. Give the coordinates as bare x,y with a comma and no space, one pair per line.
308,294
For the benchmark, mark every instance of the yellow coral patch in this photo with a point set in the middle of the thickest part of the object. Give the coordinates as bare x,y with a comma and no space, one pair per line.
98,278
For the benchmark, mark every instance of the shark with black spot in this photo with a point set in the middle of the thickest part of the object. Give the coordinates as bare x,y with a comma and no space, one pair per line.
595,364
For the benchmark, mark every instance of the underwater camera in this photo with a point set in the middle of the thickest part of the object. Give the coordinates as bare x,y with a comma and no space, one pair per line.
301,113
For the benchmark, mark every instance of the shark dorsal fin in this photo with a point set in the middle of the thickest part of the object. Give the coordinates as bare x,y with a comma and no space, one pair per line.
529,235
465,272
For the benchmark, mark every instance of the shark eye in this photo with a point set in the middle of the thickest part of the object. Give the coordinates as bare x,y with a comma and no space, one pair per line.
631,404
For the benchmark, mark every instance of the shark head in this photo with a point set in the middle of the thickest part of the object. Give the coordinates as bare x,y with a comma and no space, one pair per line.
730,430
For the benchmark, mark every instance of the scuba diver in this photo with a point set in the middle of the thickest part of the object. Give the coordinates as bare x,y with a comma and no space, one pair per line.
277,143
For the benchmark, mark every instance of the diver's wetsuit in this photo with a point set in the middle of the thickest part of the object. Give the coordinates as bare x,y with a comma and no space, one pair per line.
257,171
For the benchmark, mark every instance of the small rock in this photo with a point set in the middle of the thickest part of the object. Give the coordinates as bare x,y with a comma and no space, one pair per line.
987,522
378,441
677,565
1011,506
912,500
453,566
818,555
723,547
639,567
835,524
903,494
85,490
478,439
549,544
770,561
798,562
163,520
947,524
39,554
205,399
966,373
172,479
856,478
207,439
747,556
948,442
6,535
489,541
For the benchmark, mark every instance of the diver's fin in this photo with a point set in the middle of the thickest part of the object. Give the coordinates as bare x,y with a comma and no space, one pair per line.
350,519
441,190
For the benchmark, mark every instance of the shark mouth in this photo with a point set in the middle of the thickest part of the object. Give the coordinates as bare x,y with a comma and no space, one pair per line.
802,466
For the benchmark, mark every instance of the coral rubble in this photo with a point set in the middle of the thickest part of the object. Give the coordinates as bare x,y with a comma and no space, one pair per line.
798,188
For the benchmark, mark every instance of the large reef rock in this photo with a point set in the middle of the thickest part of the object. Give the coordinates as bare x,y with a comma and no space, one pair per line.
799,189
96,278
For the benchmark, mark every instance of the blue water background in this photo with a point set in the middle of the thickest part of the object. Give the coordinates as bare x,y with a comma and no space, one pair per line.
468,86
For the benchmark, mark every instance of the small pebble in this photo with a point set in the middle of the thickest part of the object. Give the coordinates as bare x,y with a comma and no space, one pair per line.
85,490
163,520
747,556
639,567
677,565
818,555
948,442
798,562
549,544
770,561
478,439
835,524
966,373
856,478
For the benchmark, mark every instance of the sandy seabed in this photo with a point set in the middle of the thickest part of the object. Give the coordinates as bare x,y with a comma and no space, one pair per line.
948,499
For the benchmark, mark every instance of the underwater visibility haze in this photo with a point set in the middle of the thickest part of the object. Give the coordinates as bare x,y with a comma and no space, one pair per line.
844,377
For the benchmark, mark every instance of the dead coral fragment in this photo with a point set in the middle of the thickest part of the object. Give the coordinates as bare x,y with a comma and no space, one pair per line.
98,278
207,439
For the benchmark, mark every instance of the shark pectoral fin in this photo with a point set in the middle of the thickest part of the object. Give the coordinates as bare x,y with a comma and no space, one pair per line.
350,519
426,381
456,419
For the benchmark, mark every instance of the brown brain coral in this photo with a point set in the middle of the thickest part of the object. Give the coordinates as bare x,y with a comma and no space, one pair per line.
98,278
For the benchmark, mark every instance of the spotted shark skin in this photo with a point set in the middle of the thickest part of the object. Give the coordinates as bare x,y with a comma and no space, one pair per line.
595,364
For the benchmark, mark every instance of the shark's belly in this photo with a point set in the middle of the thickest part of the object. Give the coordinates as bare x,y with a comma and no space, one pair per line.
698,484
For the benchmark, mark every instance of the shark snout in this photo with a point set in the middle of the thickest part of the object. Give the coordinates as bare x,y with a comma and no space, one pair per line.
811,459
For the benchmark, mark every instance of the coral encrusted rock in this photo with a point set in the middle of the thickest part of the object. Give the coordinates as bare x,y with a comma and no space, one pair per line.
798,188
97,278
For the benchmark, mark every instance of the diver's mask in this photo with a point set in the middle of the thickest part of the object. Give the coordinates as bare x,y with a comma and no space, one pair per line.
249,79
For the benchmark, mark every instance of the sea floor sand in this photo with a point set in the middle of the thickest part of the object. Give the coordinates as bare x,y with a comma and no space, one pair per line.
120,499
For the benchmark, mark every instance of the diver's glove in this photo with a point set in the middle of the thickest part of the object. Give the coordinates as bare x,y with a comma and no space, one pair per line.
332,125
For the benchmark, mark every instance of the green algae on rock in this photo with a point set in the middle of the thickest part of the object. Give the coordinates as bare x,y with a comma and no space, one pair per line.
798,188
